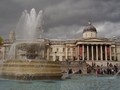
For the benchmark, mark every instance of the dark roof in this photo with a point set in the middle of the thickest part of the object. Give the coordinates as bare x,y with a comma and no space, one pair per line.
89,27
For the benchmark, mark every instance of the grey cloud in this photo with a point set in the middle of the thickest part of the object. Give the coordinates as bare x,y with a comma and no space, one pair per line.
105,29
108,29
64,32
69,12
9,13
63,17
38,4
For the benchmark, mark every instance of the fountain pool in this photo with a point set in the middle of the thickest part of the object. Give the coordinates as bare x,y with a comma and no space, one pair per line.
76,83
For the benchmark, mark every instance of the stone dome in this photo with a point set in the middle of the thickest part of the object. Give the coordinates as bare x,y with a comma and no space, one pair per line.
89,31
90,28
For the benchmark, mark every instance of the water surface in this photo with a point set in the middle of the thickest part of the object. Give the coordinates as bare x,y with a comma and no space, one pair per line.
76,83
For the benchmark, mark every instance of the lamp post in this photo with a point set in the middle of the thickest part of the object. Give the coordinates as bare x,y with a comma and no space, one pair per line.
55,56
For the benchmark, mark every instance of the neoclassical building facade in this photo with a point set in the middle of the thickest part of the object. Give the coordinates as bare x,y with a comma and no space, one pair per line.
89,48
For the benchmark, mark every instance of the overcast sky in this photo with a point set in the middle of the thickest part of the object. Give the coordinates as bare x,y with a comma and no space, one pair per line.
64,18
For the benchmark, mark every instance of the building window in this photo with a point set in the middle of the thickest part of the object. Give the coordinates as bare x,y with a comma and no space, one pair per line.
112,50
63,58
63,49
68,49
51,58
57,49
69,57
50,49
57,58
91,34
73,49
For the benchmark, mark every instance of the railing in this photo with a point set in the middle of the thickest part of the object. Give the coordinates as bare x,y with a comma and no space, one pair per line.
71,63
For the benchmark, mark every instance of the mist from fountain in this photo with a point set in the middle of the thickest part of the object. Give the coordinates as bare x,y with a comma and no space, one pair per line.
29,26
28,29
27,48
11,53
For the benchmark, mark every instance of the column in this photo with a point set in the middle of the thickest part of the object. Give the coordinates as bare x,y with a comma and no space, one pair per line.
106,52
110,53
66,53
83,52
54,56
101,52
4,54
115,54
48,55
96,52
92,52
87,52
78,52
3,50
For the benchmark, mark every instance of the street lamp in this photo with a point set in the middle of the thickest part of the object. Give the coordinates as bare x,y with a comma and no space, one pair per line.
55,56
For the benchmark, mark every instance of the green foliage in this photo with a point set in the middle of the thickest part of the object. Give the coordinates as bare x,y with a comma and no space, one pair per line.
1,40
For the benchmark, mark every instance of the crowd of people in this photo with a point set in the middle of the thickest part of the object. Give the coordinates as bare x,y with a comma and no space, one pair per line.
100,70
109,69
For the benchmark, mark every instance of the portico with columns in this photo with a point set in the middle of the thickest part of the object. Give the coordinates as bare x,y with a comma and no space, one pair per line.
94,52
93,49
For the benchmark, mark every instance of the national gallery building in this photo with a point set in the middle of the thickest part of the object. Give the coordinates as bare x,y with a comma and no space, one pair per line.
89,48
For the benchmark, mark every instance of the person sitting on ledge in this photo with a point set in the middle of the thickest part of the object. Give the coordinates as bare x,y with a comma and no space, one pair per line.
70,71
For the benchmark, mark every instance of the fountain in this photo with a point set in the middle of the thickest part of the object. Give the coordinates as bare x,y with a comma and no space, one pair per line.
26,59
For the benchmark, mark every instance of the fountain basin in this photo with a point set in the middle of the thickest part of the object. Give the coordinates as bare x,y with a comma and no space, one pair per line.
30,69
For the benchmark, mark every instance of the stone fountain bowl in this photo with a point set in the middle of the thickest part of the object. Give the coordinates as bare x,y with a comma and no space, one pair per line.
30,69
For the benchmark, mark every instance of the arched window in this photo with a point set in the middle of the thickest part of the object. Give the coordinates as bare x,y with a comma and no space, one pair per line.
91,34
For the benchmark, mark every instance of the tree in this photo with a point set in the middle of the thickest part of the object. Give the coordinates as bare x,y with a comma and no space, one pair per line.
1,40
